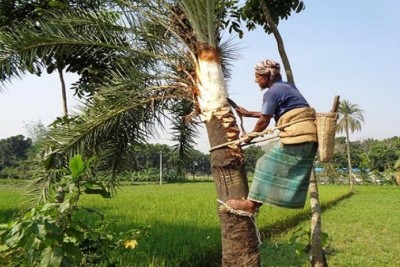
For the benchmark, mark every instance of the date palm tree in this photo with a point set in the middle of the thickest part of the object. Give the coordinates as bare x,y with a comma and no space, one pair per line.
168,52
350,118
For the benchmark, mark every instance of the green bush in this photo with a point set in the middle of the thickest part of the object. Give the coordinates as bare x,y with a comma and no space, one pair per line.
61,233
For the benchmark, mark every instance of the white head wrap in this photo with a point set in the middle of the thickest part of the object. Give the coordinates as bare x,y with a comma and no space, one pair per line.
268,66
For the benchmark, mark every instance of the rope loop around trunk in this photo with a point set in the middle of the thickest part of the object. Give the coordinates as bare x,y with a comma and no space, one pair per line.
259,134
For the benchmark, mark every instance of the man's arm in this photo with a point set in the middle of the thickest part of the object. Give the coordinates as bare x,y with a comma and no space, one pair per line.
260,126
245,113
262,123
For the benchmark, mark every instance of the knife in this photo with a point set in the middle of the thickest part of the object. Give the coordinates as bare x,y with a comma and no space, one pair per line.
235,106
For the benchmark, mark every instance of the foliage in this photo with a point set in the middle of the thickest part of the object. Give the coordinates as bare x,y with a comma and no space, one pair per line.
383,155
251,155
58,233
33,15
13,151
199,163
36,131
350,117
369,154
123,113
300,239
13,12
279,10
144,163
372,160
366,155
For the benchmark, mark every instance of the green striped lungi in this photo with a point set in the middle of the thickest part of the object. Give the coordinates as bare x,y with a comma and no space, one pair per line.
282,175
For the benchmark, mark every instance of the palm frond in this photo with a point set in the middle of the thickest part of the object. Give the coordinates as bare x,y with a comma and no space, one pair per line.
107,126
351,116
229,52
153,73
203,17
26,49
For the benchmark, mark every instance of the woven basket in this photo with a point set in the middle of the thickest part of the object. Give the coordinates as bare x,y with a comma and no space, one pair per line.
326,129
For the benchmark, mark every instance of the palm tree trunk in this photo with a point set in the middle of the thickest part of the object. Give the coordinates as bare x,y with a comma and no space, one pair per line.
279,40
317,255
238,233
351,180
63,91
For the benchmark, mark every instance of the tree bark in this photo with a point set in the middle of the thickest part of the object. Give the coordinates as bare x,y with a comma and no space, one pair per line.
238,233
351,180
317,255
279,41
63,91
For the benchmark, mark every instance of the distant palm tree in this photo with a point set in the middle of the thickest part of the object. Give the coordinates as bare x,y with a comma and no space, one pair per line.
351,117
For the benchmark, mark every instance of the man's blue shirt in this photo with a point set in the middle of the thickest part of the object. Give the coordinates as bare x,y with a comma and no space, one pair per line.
280,98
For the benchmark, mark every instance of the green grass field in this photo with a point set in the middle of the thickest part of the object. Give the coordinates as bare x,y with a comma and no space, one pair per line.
363,231
182,225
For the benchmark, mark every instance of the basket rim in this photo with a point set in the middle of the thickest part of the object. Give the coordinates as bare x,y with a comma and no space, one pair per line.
326,114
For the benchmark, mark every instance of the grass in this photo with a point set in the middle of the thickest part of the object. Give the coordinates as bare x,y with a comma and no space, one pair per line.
11,198
183,228
363,231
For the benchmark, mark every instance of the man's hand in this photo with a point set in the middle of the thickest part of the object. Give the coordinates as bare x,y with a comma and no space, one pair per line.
242,111
246,139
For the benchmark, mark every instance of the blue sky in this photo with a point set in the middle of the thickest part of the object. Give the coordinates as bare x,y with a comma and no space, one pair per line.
335,47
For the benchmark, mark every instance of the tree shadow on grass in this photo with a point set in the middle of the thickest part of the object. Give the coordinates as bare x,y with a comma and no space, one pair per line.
290,222
286,253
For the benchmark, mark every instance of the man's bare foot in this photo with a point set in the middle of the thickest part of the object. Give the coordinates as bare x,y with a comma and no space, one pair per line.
245,204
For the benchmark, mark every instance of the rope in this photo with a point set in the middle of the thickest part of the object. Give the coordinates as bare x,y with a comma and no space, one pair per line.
259,134
226,208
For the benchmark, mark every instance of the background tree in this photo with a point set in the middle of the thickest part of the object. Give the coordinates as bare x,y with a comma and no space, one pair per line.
268,13
92,68
382,154
340,155
350,119
199,163
37,132
13,151
252,154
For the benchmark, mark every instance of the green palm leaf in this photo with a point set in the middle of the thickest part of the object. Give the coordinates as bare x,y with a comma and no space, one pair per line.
351,116
152,74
